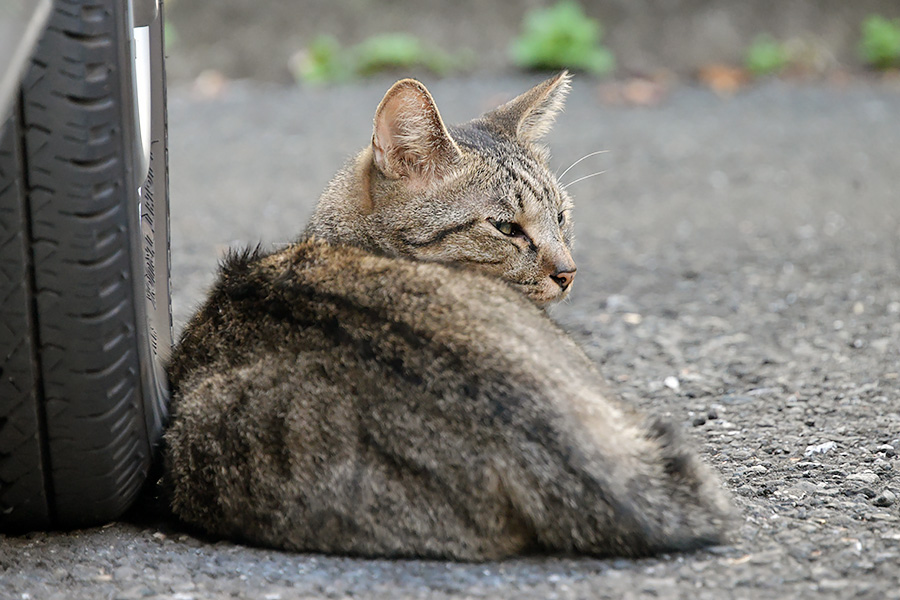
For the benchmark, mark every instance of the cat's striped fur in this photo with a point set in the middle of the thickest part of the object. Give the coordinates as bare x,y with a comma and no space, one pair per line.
363,401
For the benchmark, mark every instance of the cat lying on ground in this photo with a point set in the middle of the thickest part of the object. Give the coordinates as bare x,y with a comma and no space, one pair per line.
390,386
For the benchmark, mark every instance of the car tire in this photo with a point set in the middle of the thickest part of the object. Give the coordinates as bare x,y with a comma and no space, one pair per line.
85,317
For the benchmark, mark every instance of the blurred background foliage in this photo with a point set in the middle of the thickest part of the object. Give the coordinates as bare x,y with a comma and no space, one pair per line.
880,45
561,37
322,41
326,61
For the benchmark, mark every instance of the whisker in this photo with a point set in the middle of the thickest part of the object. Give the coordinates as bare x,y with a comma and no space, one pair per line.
583,178
558,177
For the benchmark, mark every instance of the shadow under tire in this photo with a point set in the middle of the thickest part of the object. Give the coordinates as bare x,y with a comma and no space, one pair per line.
85,318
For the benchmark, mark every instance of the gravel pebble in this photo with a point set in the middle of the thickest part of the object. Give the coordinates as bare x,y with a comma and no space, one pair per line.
864,477
123,573
888,450
819,448
672,383
885,498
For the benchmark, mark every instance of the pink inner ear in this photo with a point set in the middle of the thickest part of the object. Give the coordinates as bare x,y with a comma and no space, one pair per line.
380,141
387,130
409,139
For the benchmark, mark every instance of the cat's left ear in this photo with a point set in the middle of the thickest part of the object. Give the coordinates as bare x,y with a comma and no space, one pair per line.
410,138
529,117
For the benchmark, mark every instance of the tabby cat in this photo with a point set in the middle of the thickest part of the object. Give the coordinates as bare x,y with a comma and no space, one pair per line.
390,385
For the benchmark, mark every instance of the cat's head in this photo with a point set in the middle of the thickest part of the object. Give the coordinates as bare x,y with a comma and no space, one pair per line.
479,194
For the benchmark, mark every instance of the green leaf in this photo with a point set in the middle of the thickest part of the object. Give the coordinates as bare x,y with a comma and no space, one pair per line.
392,50
325,61
322,62
765,56
880,43
561,36
402,51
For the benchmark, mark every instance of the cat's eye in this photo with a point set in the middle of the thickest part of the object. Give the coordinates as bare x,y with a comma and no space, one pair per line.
504,227
561,217
507,228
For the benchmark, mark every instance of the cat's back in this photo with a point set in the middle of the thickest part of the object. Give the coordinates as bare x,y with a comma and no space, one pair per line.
315,296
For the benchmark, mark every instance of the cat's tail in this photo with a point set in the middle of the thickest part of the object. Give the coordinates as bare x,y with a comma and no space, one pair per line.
687,507
644,494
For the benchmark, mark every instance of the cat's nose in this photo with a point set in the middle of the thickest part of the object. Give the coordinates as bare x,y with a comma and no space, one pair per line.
564,276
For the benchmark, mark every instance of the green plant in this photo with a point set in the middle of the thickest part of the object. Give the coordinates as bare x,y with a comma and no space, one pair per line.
325,61
765,56
400,51
561,36
880,44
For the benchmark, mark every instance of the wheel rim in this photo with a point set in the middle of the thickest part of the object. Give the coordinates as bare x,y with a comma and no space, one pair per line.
143,95
153,212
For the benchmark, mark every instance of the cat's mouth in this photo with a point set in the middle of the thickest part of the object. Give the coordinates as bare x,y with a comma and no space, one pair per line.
545,293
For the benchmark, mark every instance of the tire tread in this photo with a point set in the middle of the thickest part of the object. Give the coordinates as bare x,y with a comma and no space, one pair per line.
86,448
23,497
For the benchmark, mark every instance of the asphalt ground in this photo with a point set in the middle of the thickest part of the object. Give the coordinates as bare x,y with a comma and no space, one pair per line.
739,273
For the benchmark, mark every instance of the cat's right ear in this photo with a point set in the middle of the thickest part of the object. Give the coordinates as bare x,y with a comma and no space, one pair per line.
528,117
410,138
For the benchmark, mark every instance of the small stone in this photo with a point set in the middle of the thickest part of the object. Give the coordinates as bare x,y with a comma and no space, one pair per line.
882,465
832,585
756,470
883,516
865,477
632,318
745,490
885,498
698,421
806,465
887,449
672,382
735,399
712,414
123,573
801,488
819,448
864,490
766,557
891,537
